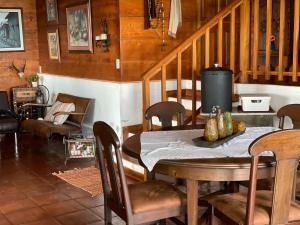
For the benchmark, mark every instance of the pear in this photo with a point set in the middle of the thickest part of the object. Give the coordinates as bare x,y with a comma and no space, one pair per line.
211,129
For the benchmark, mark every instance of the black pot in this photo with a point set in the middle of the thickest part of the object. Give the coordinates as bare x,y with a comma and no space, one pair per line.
216,89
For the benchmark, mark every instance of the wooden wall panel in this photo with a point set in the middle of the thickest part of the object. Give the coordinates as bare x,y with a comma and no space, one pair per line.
140,48
8,78
98,65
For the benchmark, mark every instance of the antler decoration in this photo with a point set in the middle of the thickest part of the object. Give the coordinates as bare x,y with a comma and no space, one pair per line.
20,71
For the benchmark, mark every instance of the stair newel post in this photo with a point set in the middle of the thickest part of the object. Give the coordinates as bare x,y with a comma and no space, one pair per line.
220,42
255,38
244,40
268,39
296,40
146,101
232,46
164,83
281,40
179,77
194,82
207,48
232,41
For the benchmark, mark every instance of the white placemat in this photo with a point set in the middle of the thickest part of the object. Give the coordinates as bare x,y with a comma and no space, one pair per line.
178,144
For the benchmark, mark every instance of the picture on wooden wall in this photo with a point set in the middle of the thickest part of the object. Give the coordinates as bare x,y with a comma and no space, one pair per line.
79,28
53,44
52,14
11,29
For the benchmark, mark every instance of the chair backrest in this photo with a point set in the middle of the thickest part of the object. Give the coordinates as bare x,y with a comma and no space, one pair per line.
4,105
81,106
292,111
285,145
113,177
165,111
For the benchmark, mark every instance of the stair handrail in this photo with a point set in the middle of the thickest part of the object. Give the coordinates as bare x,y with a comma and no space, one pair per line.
176,53
188,42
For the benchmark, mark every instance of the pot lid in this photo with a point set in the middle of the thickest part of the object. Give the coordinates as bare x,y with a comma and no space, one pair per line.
215,68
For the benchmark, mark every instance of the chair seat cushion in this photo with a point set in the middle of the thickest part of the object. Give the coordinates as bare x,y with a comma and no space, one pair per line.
46,129
234,207
154,195
8,124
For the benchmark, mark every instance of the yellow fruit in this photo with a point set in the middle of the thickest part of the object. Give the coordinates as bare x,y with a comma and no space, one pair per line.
238,126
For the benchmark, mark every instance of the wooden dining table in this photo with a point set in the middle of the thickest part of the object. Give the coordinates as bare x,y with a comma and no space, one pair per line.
195,170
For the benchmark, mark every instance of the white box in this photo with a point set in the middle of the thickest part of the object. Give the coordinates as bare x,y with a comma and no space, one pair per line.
255,102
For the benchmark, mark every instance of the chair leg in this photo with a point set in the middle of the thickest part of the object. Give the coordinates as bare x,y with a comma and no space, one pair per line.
107,215
16,145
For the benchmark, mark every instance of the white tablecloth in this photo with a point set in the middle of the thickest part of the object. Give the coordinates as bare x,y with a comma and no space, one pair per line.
178,144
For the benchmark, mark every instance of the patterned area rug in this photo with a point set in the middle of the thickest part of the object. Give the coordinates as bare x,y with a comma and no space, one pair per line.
87,179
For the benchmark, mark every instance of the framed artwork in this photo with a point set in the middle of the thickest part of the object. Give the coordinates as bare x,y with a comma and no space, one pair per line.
11,29
51,8
53,44
79,28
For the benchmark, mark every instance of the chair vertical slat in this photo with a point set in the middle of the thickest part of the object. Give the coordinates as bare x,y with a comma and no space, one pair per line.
113,177
194,82
232,40
268,39
244,39
282,196
255,38
207,48
281,40
220,42
296,39
179,77
164,83
146,100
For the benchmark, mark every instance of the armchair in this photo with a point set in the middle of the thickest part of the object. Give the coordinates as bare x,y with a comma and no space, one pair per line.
73,124
9,121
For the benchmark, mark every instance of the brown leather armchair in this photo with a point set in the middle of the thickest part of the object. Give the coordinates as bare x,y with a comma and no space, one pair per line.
72,125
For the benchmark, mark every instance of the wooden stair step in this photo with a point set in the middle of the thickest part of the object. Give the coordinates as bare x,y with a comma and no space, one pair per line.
187,94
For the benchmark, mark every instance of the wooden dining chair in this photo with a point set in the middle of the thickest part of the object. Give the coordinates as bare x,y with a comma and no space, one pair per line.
293,112
165,111
265,207
135,203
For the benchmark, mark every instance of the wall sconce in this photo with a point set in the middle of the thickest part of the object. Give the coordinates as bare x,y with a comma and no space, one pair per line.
102,40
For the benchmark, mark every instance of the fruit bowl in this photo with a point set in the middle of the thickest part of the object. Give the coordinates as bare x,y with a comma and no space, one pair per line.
201,142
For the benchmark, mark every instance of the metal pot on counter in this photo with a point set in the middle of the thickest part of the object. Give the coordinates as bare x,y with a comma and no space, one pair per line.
216,89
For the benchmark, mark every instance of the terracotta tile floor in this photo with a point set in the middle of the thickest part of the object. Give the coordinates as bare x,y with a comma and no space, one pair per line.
30,195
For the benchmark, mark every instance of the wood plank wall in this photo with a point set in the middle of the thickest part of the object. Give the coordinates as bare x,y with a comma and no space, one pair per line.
8,78
140,48
99,65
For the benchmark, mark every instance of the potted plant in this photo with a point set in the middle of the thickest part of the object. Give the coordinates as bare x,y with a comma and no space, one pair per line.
34,78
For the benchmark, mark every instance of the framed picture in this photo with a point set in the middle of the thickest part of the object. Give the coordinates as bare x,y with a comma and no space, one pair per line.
53,44
51,8
79,28
11,29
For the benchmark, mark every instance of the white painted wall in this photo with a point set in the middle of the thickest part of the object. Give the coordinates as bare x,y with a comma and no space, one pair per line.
120,104
280,95
106,95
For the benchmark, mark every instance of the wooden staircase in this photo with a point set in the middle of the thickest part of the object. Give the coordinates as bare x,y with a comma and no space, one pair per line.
243,40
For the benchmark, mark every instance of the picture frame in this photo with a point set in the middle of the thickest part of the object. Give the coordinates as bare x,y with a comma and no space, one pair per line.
79,28
52,12
53,44
11,30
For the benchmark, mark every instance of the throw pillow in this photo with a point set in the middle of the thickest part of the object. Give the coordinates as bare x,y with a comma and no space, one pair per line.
59,107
